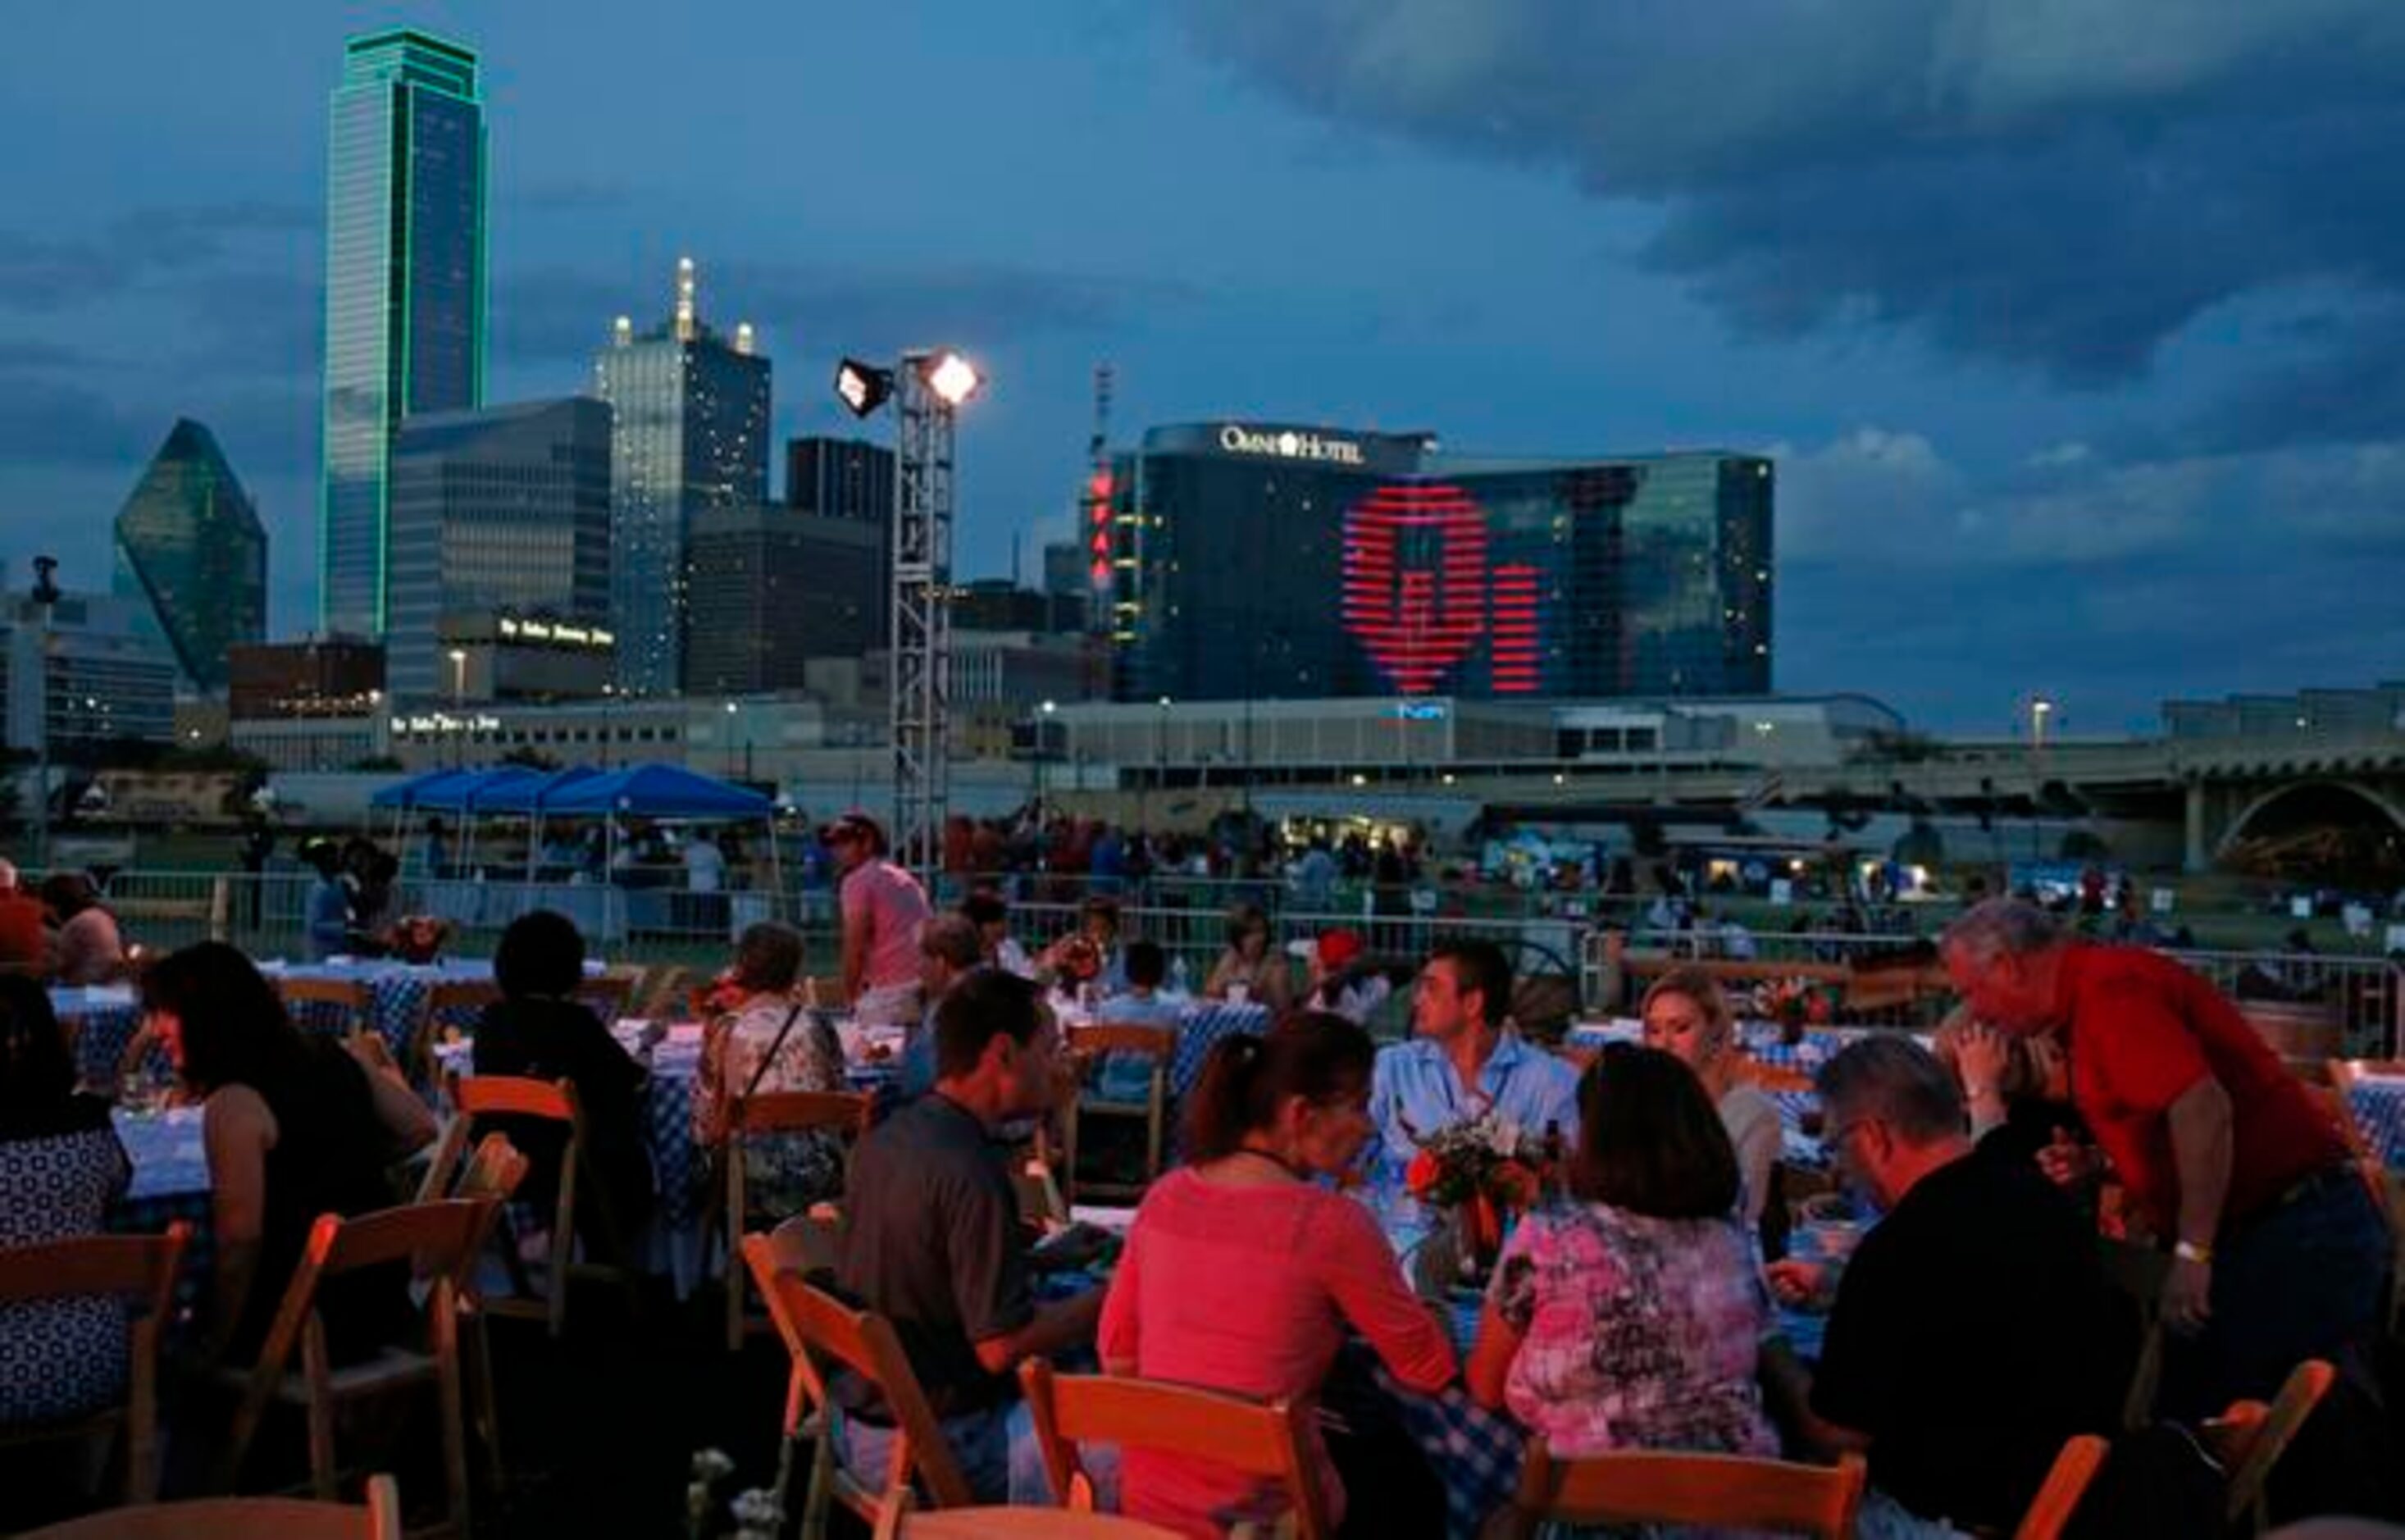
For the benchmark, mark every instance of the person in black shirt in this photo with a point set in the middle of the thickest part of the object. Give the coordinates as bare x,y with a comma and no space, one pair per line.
1974,1331
539,1030
932,1241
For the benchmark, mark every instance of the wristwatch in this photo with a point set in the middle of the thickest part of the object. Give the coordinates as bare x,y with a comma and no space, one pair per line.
2189,1251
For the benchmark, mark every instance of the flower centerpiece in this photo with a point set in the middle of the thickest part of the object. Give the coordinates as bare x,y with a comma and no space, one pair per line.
1481,1169
1793,1004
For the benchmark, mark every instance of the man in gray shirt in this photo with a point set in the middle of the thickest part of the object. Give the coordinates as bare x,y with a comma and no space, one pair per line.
932,1241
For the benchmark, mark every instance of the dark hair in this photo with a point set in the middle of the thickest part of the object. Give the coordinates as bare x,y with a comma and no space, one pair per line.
1146,964
37,1067
985,907
69,894
1243,920
1892,1078
1107,909
768,956
541,952
1479,965
1313,1054
951,939
1650,1139
985,1004
234,1027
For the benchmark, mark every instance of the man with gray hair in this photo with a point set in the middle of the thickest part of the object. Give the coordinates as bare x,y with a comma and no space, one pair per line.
2278,1252
22,946
1974,1330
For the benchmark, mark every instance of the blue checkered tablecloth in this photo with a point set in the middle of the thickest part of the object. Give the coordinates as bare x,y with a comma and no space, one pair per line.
1761,1040
1201,1026
2379,1107
104,1020
171,1182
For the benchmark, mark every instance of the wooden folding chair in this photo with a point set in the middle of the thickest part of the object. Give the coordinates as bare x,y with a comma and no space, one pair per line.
242,1517
767,1114
1641,1486
440,1240
2066,1482
342,1007
124,1267
479,1096
1025,1523
1259,1438
1770,1077
2138,1272
818,1329
2250,1438
450,1004
494,1171
1094,1044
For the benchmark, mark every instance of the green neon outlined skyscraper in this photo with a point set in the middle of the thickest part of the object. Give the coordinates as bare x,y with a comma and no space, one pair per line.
404,288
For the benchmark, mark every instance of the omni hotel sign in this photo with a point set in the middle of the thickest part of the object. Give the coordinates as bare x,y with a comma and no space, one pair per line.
1287,444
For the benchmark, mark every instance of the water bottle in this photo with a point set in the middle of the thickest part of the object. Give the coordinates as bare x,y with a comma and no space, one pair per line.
1178,977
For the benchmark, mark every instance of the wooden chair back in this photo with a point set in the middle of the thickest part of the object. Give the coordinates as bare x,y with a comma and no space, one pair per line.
311,1002
1641,1486
2250,1438
439,1241
479,1096
1025,1523
242,1517
450,1003
1094,1042
820,1330
844,1114
1770,1077
1259,1438
2066,1482
131,1267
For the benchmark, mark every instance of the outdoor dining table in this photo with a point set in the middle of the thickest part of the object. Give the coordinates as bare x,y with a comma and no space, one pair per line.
2378,1103
170,1183
104,1018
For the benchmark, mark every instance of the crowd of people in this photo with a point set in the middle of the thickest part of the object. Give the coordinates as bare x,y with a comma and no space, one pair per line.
61,931
1969,1333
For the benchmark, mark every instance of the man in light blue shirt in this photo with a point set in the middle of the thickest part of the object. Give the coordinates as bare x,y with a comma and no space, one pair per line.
1142,1002
1463,1062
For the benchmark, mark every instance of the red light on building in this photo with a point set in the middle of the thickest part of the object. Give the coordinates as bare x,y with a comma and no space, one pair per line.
1416,618
1101,574
1511,640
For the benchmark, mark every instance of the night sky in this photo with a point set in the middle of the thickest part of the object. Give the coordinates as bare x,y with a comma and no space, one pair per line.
2078,329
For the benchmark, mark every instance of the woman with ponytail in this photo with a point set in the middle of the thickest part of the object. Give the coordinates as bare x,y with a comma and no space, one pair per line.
1244,1269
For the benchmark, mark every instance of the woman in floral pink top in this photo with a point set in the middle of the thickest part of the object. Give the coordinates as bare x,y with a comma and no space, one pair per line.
1633,1318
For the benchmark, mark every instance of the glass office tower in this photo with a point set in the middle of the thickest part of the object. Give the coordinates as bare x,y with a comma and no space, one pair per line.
690,431
1254,561
190,547
404,291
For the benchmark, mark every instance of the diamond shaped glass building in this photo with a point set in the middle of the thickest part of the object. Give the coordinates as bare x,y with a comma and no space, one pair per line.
189,545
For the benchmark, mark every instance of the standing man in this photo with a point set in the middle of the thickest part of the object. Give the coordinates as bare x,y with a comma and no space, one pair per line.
883,906
1464,1060
2278,1254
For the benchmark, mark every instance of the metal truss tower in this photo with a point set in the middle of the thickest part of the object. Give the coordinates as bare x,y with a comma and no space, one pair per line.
921,631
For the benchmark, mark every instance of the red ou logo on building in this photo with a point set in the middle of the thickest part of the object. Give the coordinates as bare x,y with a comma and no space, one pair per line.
1415,581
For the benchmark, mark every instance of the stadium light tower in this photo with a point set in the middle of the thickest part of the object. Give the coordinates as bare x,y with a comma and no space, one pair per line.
928,388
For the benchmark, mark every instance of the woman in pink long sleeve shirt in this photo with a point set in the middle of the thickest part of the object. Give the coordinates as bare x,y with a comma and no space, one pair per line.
1243,1274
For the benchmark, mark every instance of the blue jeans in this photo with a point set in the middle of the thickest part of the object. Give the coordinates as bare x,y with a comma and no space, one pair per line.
2303,1279
995,1449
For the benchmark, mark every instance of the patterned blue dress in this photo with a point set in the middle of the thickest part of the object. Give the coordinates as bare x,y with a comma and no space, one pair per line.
60,1358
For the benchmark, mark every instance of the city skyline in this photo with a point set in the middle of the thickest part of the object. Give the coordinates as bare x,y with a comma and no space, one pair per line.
2075,346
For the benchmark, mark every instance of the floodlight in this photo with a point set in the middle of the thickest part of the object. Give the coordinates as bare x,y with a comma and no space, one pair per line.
863,388
952,377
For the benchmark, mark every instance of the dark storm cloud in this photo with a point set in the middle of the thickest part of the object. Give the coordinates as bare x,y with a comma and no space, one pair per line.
2056,185
43,273
554,313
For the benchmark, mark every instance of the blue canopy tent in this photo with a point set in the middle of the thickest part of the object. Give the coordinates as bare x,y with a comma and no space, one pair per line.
666,791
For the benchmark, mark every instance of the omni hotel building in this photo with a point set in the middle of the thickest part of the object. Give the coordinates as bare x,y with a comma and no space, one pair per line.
1240,560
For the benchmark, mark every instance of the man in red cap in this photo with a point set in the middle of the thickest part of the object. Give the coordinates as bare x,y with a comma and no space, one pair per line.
1342,979
883,906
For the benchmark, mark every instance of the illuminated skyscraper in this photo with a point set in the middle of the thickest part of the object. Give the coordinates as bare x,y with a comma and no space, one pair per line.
691,433
404,289
191,548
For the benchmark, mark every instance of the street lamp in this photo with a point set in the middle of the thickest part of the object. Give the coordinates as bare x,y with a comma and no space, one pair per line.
458,705
46,594
2040,709
731,713
1043,752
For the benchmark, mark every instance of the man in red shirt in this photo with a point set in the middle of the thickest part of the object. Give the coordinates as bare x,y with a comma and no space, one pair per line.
2278,1254
22,946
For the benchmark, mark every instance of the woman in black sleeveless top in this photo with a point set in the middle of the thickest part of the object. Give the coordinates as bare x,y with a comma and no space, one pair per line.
295,1127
